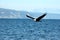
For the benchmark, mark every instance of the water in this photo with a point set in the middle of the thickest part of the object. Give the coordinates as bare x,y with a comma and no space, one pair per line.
25,29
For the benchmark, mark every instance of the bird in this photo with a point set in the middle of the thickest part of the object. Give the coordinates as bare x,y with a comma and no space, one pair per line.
36,19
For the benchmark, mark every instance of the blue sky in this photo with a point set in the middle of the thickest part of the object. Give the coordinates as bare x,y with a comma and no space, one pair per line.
50,6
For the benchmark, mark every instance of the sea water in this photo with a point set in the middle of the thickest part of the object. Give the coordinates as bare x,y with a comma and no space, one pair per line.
26,29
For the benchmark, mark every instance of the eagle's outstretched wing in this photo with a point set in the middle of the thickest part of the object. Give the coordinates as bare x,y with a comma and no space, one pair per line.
40,17
30,16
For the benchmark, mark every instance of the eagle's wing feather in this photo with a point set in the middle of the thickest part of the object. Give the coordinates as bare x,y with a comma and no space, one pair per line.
40,17
30,17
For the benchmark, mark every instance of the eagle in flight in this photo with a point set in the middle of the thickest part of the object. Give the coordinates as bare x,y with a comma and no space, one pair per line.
38,18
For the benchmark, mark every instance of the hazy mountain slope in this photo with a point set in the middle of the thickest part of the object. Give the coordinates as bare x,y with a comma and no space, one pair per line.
8,13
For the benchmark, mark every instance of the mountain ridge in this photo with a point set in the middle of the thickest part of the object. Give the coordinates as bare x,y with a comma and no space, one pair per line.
8,13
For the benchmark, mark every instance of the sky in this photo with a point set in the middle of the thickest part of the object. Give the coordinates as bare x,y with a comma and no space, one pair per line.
50,6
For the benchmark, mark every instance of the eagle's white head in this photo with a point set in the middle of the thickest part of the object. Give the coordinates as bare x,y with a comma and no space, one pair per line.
35,19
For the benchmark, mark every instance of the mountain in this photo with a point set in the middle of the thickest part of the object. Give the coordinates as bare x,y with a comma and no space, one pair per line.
8,13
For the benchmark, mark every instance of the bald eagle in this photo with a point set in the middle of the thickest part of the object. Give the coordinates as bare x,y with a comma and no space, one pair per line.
36,19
